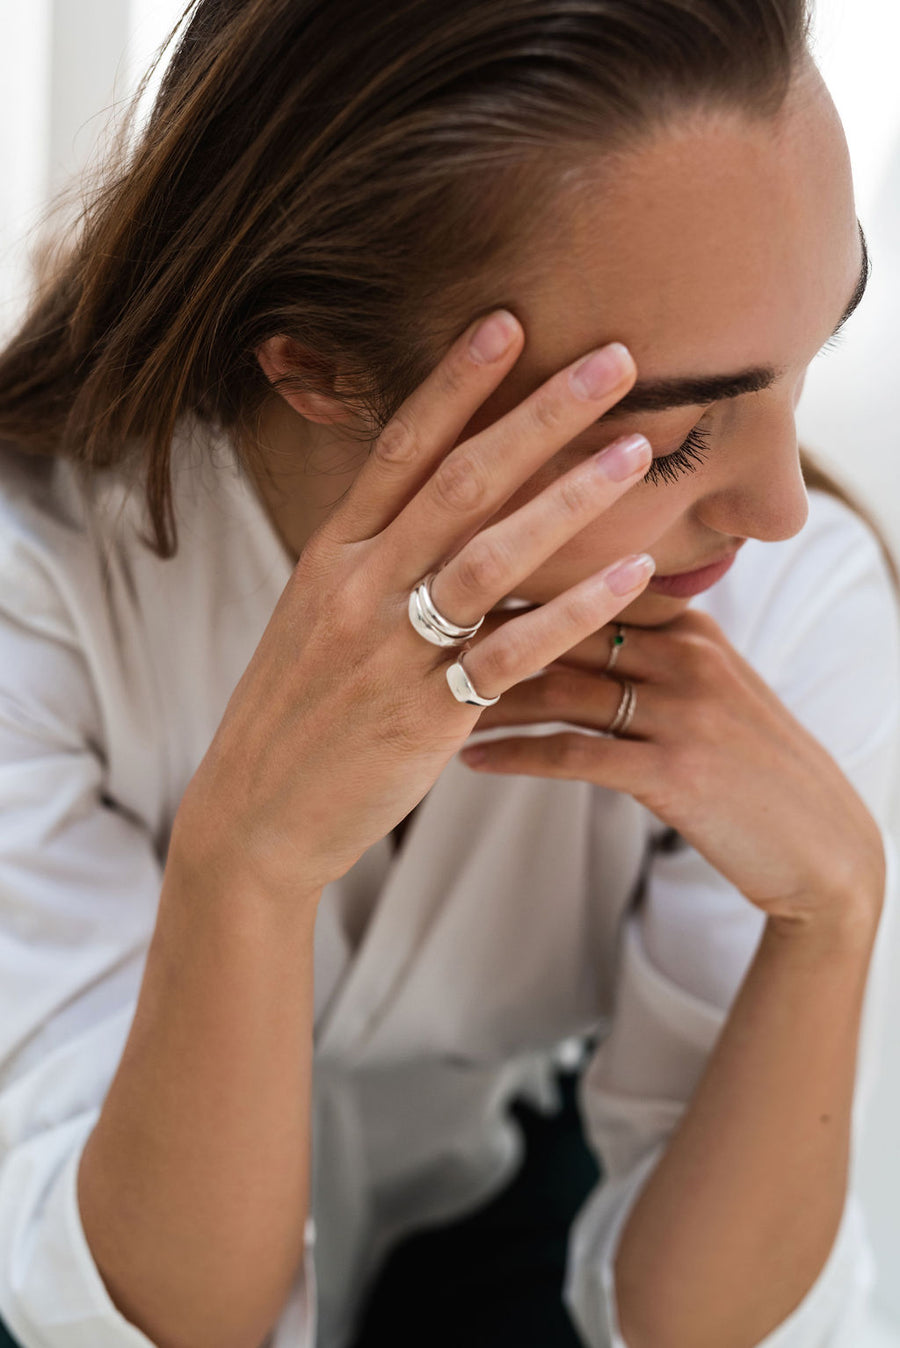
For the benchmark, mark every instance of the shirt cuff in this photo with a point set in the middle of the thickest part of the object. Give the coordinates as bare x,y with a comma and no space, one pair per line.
832,1314
52,1294
51,1291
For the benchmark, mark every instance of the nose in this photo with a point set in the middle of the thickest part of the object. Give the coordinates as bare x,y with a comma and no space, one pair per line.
760,492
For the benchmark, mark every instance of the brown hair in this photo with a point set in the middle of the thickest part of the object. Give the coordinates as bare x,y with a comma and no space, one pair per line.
350,175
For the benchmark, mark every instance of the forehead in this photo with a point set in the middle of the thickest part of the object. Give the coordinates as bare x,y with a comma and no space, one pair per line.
724,241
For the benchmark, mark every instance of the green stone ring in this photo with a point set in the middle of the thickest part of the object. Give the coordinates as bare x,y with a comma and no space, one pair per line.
617,642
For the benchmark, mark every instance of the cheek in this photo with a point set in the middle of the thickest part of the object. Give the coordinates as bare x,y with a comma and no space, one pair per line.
620,530
637,522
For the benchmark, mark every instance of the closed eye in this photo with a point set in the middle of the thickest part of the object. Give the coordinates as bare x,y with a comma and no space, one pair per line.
685,459
692,452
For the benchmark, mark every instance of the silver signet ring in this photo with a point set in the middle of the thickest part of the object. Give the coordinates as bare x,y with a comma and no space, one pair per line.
462,690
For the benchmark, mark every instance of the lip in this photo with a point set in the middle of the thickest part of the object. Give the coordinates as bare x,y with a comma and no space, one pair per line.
684,583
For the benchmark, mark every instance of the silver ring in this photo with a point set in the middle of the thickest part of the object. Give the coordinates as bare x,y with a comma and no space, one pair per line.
431,624
625,711
618,642
462,690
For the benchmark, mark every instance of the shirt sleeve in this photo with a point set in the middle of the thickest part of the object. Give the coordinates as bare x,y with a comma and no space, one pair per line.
80,879
834,659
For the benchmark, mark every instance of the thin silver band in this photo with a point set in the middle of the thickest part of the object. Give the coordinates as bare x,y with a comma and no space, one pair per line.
625,711
618,642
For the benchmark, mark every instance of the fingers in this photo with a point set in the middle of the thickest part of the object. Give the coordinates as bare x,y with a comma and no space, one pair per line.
532,641
624,765
427,425
501,556
580,698
472,482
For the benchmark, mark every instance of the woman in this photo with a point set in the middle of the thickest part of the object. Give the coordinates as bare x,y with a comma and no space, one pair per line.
372,326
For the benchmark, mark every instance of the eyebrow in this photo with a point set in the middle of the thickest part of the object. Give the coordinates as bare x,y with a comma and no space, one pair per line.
659,395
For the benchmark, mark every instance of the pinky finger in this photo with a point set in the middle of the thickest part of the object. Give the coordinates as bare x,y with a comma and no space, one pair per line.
525,645
629,766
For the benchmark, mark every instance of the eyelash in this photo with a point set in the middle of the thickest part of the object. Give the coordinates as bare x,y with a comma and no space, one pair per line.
685,459
692,451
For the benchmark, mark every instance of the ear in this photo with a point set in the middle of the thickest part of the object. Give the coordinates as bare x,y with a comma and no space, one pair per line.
281,356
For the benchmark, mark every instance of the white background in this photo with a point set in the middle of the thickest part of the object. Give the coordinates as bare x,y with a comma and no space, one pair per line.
63,63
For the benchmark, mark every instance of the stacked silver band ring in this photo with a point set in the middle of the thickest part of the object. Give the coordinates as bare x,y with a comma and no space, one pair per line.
430,624
437,629
622,719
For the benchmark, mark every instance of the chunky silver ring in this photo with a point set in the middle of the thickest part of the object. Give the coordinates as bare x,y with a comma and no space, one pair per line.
462,690
431,624
625,711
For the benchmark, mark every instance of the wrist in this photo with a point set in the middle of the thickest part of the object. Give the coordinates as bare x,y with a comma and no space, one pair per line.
225,875
836,925
843,904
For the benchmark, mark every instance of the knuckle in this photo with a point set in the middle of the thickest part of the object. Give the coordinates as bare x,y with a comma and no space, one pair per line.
575,496
459,483
667,788
579,609
334,608
316,558
454,375
688,771
555,692
546,411
704,660
567,751
481,567
502,662
397,443
696,620
700,721
341,619
693,651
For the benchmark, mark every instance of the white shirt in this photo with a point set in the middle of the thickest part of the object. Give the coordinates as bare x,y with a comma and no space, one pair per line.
504,928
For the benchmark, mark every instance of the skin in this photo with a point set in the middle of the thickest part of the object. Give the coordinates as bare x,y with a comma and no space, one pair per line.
721,245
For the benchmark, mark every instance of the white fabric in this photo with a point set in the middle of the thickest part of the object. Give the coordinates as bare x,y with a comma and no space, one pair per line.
506,928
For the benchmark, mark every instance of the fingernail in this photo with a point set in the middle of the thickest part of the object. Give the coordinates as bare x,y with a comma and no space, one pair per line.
625,458
493,337
474,755
629,573
601,371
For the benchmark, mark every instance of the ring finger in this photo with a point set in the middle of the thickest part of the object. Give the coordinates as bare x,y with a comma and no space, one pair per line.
563,694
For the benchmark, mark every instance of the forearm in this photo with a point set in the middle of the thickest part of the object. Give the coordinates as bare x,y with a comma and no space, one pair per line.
194,1184
737,1220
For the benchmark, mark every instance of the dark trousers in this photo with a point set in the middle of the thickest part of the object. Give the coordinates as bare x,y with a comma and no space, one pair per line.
492,1279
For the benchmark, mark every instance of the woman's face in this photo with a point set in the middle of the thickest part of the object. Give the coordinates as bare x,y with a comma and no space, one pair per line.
724,246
